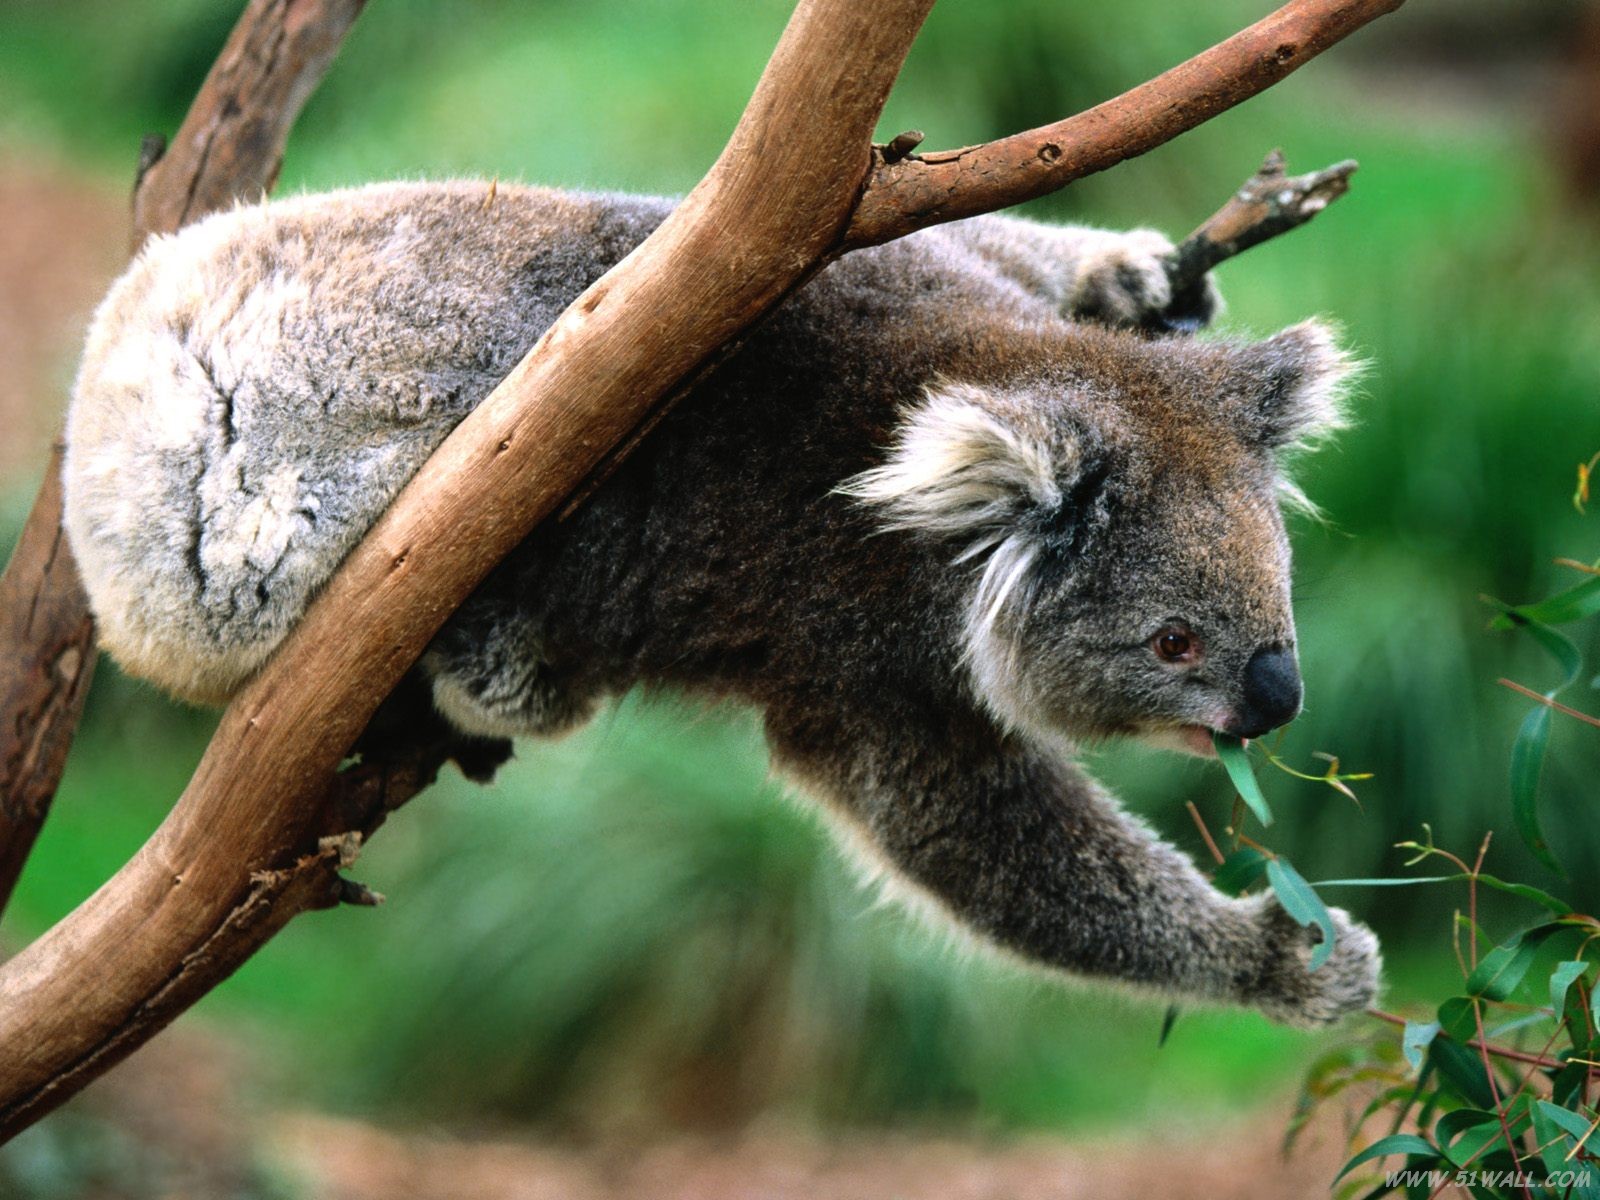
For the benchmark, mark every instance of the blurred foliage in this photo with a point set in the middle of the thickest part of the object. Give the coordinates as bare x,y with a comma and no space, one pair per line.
1500,1091
632,928
83,1156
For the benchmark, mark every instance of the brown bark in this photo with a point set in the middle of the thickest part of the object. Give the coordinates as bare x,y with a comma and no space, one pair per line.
929,189
47,656
249,843
229,148
254,838
230,145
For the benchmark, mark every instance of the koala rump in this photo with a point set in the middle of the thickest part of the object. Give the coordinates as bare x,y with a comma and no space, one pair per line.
944,514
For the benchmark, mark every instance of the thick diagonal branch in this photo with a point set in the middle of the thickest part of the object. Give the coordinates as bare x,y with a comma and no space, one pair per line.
226,868
779,203
229,148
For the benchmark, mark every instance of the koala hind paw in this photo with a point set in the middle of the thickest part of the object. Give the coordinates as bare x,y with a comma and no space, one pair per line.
1123,282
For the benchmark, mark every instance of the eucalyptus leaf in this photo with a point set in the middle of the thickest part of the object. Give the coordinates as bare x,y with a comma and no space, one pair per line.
1395,1143
1527,763
1552,1147
1463,1133
1561,979
1582,600
1458,1018
1526,891
1460,1067
1239,870
1236,760
1561,648
1567,1085
1500,1028
1500,971
1415,1040
1580,1127
1303,904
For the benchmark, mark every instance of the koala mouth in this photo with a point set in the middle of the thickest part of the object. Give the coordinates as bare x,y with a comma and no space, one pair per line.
1185,739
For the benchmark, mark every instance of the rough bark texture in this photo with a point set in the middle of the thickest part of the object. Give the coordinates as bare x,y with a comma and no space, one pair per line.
255,838
1270,202
229,148
929,189
47,656
230,145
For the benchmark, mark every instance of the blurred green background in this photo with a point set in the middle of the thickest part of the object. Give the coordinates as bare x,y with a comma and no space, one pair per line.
635,930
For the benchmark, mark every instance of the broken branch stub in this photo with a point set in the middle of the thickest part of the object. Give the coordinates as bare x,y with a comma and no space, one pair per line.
1270,202
1267,204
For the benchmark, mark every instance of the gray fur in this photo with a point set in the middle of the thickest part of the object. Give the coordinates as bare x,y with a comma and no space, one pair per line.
925,520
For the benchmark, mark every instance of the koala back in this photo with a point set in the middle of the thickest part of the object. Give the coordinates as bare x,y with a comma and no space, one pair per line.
256,389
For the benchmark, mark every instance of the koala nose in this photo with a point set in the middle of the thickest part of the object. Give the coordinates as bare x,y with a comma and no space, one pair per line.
1271,692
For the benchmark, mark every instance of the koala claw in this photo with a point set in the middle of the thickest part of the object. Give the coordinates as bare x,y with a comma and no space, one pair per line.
1122,281
1289,991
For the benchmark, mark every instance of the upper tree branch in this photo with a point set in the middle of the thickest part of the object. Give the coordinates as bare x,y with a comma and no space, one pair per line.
229,148
1270,202
928,189
780,201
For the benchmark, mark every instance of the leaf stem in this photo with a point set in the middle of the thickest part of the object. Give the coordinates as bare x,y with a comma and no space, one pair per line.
1549,703
1505,1052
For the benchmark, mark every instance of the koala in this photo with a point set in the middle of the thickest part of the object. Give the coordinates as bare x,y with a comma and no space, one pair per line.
950,512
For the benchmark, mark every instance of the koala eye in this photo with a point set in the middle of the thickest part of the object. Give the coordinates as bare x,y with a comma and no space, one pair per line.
1176,645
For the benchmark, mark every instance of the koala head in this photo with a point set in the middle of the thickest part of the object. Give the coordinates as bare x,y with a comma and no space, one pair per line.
1114,507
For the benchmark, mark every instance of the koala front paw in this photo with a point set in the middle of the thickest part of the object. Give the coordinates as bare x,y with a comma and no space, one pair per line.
1122,281
1288,990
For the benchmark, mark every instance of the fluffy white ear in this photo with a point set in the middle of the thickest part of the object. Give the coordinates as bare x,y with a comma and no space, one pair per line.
1293,384
958,466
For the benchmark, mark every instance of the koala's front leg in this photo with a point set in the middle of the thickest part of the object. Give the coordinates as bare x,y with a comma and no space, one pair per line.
1033,856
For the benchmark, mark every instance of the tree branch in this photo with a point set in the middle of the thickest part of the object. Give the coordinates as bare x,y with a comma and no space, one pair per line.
1270,202
1267,204
245,846
229,148
254,838
230,145
1511,1054
47,657
928,189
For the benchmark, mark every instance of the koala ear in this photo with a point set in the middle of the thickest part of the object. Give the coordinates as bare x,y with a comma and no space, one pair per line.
1292,385
959,466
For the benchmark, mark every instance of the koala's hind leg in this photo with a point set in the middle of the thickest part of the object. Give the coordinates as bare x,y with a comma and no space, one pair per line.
490,677
407,722
1031,855
1108,276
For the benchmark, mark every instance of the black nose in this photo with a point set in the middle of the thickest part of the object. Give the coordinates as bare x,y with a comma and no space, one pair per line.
1271,692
